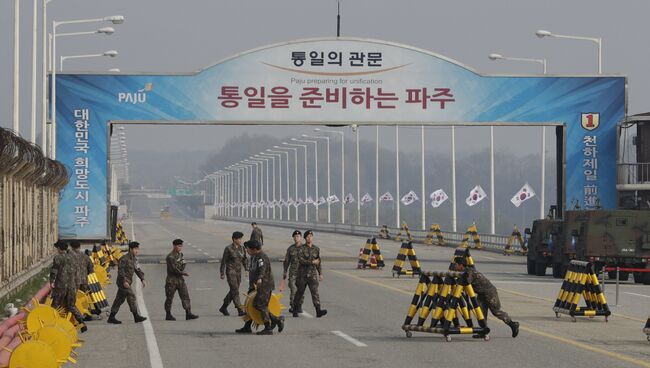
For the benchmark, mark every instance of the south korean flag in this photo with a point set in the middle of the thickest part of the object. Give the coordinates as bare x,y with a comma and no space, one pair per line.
475,195
320,201
438,197
348,199
366,199
309,200
409,198
386,197
525,193
332,199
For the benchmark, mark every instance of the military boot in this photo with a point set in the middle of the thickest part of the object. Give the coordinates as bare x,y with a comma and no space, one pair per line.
294,311
277,321
320,312
113,320
246,328
83,327
268,330
241,312
514,326
189,315
224,309
138,318
169,317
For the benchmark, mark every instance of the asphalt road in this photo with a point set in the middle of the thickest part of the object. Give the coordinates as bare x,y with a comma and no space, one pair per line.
366,310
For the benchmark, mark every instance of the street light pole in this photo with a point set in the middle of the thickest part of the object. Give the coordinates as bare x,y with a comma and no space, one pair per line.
495,57
287,180
598,40
279,157
329,192
109,53
358,131
305,180
272,158
376,176
423,198
295,174
315,168
397,197
342,169
16,105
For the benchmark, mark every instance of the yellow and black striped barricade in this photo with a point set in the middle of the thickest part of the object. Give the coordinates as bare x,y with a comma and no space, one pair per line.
444,297
429,239
96,292
98,256
406,251
435,235
404,231
120,235
461,252
384,233
371,256
581,281
515,236
646,329
473,233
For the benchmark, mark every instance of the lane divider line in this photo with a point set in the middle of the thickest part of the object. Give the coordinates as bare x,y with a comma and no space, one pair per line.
349,339
152,345
635,294
306,315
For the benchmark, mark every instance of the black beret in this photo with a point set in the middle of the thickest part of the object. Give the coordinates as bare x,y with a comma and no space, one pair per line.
253,244
134,244
60,244
237,235
308,232
296,232
177,242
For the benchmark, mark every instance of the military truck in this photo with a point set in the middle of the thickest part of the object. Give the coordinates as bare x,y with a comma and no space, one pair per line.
609,238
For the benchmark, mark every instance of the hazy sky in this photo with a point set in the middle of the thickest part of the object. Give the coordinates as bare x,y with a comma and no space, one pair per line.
184,36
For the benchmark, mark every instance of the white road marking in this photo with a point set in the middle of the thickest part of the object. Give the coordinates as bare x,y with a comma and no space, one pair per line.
641,295
306,315
206,253
199,249
349,339
152,345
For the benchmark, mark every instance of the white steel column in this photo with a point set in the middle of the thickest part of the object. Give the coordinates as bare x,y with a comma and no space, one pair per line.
453,178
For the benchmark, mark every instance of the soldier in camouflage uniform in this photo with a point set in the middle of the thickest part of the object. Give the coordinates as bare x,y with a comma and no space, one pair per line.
234,258
486,293
261,278
125,269
86,267
176,282
64,282
256,234
310,273
291,266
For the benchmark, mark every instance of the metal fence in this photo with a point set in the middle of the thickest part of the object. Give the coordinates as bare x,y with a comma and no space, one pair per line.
488,241
29,192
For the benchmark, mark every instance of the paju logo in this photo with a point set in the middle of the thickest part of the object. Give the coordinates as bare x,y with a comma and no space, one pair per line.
135,97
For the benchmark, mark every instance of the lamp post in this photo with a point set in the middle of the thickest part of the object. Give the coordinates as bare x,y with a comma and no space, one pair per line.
109,53
115,19
267,182
329,192
315,168
16,81
376,175
495,57
543,153
397,197
598,40
287,182
279,157
342,168
44,79
257,182
295,172
305,147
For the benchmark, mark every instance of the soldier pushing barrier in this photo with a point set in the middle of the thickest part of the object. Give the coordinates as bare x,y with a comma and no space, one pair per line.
125,269
85,268
234,258
291,266
64,280
175,282
309,273
260,278
487,294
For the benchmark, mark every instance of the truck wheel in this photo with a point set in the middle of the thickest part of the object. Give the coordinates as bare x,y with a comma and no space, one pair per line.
557,270
611,275
623,276
540,268
531,267
639,277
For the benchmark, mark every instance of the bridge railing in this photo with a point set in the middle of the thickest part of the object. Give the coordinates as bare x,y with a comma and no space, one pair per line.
489,241
29,194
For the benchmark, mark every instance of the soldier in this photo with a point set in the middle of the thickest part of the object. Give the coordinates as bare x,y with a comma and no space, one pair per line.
486,293
234,257
261,278
310,273
125,269
291,265
176,282
256,234
85,268
64,282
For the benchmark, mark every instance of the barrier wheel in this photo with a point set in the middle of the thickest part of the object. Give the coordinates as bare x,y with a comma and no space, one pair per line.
409,334
486,337
448,338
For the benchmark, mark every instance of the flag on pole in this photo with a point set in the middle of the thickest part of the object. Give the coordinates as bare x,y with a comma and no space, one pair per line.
386,197
409,198
366,199
348,198
475,195
300,201
525,193
262,203
438,197
320,201
332,199
309,200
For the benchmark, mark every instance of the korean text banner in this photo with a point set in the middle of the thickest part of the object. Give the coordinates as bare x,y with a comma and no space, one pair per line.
334,80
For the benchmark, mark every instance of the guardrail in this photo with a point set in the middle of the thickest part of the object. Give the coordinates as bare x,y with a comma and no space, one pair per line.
491,242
